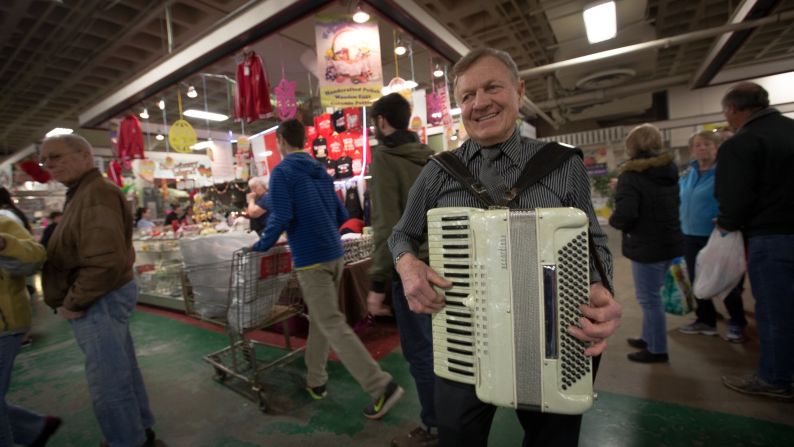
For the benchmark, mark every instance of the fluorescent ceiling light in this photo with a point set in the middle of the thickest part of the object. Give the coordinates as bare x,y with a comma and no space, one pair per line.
193,113
59,131
202,145
600,21
455,111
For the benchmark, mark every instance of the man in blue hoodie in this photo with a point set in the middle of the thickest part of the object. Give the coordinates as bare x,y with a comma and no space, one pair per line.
303,203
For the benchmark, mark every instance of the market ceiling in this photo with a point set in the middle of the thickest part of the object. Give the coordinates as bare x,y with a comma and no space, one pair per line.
58,58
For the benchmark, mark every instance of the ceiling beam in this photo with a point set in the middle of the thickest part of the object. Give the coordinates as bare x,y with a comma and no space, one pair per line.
658,43
728,44
246,25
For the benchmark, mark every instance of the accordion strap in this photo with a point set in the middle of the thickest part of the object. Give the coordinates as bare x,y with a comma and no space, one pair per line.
549,158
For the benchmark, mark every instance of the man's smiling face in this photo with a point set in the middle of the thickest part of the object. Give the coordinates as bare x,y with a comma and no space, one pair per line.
489,99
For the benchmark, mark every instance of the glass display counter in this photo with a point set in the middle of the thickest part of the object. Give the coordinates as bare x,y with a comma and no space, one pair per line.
158,270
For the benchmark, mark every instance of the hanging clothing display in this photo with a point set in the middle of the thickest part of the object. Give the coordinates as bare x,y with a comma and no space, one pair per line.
322,124
344,168
130,142
352,118
338,120
330,167
252,96
336,148
320,149
353,204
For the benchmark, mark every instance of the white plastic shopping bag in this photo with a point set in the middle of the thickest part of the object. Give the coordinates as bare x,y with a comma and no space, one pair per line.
720,264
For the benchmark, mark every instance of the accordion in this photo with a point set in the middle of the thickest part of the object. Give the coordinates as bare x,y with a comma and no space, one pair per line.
518,279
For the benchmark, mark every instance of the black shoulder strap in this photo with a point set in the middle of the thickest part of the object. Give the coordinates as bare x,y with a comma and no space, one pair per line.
452,165
548,158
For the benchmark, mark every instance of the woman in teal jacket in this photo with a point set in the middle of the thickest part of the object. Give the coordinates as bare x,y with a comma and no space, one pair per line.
698,211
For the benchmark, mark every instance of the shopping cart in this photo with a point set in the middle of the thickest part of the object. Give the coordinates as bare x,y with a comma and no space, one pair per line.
262,292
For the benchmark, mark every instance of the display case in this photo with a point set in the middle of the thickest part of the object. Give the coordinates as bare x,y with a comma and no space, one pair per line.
158,269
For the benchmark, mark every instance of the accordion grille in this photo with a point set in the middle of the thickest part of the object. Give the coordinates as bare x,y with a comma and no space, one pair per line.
573,290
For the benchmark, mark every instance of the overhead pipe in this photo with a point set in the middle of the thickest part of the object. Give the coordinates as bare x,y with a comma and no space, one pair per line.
609,93
658,43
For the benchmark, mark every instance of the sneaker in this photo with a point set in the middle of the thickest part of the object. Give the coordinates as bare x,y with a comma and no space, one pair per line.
646,356
735,334
383,403
637,343
317,392
756,386
51,425
419,437
698,327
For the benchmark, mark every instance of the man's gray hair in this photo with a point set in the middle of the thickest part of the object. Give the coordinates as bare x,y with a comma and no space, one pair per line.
746,96
73,141
473,56
262,181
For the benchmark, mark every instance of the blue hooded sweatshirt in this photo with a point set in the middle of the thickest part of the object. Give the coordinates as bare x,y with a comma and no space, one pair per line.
698,205
303,202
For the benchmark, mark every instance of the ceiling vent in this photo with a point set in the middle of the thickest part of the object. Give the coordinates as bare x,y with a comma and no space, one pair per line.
605,79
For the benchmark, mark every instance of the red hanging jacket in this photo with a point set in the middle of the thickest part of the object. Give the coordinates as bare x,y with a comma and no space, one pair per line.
130,142
252,97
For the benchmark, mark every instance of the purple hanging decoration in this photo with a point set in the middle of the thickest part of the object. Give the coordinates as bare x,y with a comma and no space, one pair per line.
434,108
286,104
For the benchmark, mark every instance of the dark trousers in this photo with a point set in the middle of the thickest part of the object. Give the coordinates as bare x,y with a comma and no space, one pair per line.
416,340
465,421
706,312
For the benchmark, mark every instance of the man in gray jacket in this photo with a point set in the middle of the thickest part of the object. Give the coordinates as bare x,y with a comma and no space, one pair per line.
396,163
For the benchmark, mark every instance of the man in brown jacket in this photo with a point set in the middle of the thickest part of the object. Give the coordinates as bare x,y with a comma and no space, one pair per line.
88,275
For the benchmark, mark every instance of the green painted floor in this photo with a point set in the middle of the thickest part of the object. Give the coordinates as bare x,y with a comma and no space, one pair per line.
194,410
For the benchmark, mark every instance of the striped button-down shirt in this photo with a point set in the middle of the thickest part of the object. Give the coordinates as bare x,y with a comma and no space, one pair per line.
568,185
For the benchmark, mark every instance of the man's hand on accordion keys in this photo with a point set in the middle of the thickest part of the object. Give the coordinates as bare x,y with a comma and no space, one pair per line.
418,280
601,319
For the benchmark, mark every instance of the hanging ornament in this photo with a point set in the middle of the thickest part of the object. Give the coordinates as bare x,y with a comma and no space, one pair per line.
286,104
181,135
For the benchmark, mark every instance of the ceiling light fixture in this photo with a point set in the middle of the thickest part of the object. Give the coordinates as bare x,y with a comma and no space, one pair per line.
438,72
144,114
161,104
191,92
202,145
399,48
193,113
360,16
159,137
600,21
59,131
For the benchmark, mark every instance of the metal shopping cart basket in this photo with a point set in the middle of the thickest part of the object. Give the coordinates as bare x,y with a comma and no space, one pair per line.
262,292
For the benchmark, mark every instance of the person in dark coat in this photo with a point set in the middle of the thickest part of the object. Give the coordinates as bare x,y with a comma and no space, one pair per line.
646,211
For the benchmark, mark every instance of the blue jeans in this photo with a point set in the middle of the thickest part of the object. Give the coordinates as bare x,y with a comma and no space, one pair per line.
114,380
17,425
416,340
648,279
771,270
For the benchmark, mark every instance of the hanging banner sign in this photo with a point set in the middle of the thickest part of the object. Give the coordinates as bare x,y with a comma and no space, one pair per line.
348,61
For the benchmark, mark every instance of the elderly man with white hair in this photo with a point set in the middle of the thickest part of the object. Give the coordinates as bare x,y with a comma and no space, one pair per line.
88,276
257,203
